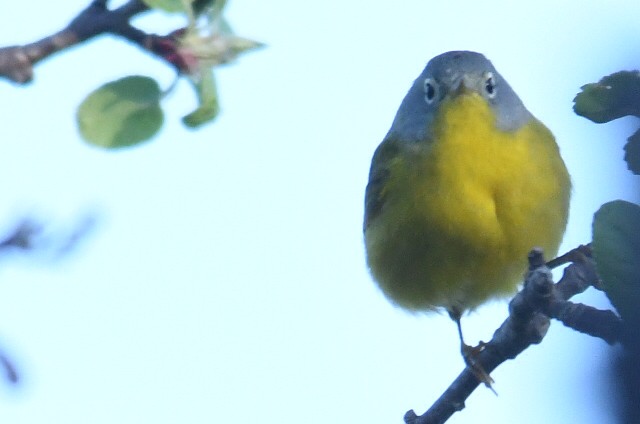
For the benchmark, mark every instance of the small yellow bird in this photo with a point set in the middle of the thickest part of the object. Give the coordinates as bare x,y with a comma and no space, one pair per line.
465,183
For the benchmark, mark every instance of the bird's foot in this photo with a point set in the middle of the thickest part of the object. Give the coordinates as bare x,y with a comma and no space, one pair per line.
470,356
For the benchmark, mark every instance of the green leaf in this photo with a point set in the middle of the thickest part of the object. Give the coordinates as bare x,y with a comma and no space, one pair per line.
612,97
173,6
121,113
632,153
170,6
208,106
217,6
616,249
221,26
200,5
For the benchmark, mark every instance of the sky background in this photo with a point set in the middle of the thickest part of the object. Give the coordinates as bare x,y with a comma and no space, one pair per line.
225,279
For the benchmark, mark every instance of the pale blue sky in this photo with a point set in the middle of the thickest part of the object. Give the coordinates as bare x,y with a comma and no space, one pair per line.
226,280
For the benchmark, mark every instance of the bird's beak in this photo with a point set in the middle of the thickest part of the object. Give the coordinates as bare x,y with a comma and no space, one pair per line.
461,85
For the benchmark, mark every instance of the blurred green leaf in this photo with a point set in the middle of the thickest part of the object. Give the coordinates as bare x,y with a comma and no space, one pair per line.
612,97
208,107
632,153
174,6
221,26
216,5
170,6
121,113
616,249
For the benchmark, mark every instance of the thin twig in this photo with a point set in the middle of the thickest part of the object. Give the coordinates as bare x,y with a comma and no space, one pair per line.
574,255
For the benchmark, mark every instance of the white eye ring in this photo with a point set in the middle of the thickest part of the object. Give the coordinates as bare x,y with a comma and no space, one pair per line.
430,90
490,85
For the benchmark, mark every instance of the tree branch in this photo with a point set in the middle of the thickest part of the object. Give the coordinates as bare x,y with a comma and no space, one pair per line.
527,324
30,237
17,62
11,374
585,319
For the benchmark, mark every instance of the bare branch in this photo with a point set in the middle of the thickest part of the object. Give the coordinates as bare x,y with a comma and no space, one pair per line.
17,62
23,236
33,236
11,374
527,324
588,320
30,237
585,319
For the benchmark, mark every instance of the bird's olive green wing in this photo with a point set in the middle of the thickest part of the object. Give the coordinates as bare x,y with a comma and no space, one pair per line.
378,176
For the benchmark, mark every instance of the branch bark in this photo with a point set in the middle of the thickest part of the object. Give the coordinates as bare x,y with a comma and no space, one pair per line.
529,318
17,62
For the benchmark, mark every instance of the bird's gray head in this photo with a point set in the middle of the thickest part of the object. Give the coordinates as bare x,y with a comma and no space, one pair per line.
449,75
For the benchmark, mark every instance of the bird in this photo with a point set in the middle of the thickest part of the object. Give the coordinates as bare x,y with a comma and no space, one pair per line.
464,184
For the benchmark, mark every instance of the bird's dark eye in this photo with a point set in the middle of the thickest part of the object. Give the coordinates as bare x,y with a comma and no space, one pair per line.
430,90
490,85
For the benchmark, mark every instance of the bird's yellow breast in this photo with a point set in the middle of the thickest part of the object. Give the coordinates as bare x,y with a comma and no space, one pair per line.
461,212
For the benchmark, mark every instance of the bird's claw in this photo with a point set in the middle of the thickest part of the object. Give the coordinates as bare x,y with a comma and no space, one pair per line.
470,354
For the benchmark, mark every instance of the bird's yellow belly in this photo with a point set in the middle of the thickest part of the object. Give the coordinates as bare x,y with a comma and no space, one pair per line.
462,212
